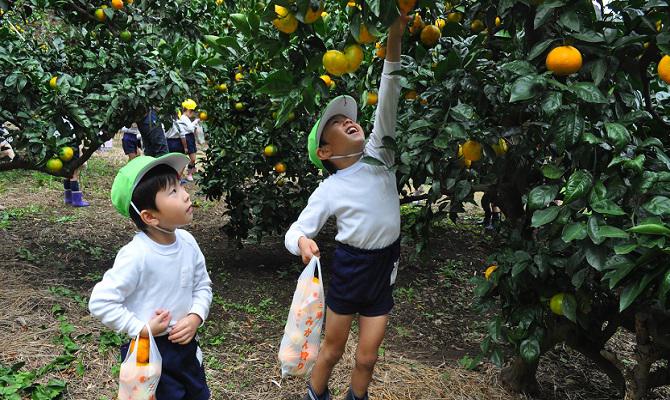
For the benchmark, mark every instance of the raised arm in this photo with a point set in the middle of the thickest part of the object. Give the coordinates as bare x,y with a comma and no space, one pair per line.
389,94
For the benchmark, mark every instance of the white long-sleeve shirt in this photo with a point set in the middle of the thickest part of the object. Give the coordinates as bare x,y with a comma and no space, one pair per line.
363,198
181,127
147,276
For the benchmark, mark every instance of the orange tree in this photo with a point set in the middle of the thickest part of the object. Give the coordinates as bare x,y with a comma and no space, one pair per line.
97,66
556,109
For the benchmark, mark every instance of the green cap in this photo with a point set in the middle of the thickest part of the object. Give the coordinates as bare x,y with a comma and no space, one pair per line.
129,176
340,105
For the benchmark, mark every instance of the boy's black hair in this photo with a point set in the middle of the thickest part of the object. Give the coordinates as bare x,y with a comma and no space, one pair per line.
144,196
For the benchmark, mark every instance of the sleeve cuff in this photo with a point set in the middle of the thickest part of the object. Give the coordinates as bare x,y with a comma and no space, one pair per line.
391,66
291,242
201,311
136,327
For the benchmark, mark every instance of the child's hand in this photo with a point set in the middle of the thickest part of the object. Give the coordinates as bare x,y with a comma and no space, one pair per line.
184,331
158,324
308,249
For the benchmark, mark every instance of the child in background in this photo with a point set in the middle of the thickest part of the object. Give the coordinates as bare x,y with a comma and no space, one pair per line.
131,141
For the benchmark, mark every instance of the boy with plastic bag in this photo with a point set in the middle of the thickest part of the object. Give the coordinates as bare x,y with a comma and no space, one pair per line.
158,286
364,200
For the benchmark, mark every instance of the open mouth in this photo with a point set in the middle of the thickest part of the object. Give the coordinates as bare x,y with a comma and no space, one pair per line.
189,210
352,130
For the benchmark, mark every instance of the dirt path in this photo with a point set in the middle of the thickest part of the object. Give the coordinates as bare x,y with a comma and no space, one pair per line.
53,255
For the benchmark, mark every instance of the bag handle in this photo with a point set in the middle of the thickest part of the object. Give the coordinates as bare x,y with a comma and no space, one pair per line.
132,350
317,269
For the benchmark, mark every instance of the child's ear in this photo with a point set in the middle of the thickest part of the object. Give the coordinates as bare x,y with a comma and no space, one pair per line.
149,217
324,152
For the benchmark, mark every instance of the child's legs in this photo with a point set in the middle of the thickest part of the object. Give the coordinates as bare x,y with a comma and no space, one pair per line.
372,330
337,332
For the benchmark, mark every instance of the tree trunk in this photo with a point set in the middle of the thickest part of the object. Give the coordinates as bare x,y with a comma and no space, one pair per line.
519,376
644,356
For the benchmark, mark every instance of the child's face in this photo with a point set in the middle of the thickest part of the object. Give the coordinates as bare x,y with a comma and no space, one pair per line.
341,136
174,207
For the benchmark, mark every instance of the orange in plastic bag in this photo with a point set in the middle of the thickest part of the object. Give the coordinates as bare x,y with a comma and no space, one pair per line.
138,380
302,334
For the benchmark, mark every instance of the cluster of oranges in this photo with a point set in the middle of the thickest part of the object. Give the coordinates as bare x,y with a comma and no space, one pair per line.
271,151
55,164
101,16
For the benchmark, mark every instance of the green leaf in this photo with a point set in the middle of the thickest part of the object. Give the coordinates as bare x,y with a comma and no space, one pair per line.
664,288
541,196
659,205
545,12
530,350
589,36
551,171
539,48
577,186
593,229
633,290
619,267
450,63
569,307
650,229
588,92
569,127
598,71
241,23
625,248
607,207
462,190
462,112
525,88
596,256
617,134
552,102
612,232
579,277
278,83
574,231
543,217
419,124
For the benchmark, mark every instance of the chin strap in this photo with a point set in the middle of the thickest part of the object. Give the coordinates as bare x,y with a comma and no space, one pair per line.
158,228
347,156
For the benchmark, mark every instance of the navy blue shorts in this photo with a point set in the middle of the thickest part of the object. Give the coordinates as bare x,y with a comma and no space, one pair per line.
130,143
176,146
182,377
361,281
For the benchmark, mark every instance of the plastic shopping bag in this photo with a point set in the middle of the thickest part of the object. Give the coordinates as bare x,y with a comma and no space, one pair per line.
302,334
138,379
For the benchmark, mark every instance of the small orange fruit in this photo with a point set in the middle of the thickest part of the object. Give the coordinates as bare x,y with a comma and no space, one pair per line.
664,69
489,271
564,60
285,21
280,167
354,56
472,150
371,99
364,36
142,350
54,165
203,116
100,15
430,35
477,26
335,62
117,4
270,150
